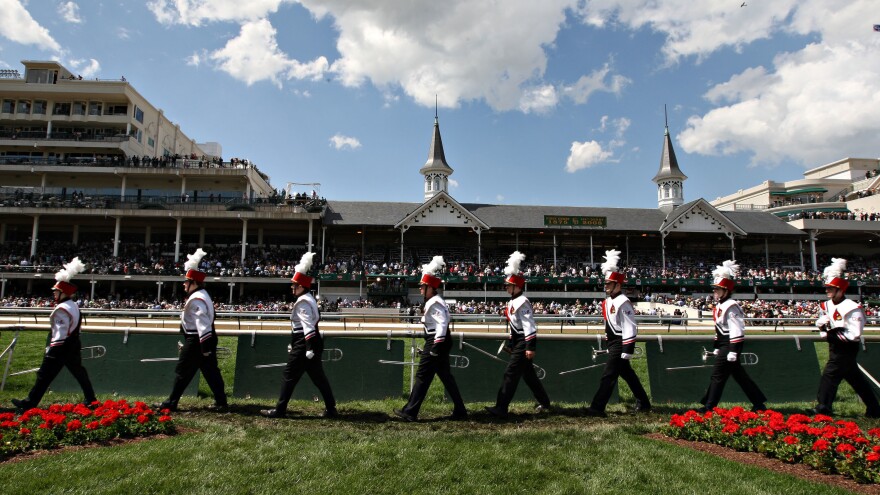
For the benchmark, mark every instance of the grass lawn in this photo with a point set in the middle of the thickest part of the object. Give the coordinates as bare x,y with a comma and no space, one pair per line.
365,451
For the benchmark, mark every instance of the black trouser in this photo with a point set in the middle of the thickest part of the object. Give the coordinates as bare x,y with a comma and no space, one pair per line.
616,367
724,369
298,364
192,360
520,367
428,367
841,366
67,354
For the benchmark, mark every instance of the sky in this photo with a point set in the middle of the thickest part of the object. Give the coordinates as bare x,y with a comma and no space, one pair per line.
551,102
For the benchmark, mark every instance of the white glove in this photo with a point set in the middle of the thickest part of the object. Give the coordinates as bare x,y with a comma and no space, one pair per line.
823,321
823,335
47,349
206,354
731,356
626,355
310,354
715,352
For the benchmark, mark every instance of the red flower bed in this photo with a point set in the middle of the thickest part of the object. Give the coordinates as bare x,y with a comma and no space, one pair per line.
76,424
818,441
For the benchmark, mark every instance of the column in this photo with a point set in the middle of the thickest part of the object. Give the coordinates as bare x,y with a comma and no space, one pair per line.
813,236
663,250
116,237
122,192
182,187
48,129
43,184
766,253
311,226
147,235
402,230
2,233
2,288
801,252
177,240
479,248
34,232
324,241
201,236
159,292
76,235
231,286
732,249
591,251
244,239
555,266
93,283
260,237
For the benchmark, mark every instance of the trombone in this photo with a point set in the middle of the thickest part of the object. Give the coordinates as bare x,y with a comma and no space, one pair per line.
637,354
745,359
90,352
332,354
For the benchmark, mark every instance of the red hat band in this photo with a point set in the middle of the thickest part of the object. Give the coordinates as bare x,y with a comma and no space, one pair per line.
840,283
615,277
65,287
195,275
302,279
517,280
428,279
724,283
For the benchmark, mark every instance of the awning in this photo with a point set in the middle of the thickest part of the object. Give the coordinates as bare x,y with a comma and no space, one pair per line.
799,191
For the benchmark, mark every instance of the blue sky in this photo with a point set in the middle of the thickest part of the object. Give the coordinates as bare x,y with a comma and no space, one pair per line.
554,102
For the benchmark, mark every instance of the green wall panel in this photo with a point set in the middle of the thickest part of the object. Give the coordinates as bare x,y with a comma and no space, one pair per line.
783,372
352,367
121,369
481,379
870,361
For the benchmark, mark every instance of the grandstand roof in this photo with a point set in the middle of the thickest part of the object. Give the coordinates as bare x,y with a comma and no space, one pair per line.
355,213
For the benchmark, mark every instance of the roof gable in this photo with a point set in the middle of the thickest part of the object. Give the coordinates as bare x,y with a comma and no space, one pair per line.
441,211
699,216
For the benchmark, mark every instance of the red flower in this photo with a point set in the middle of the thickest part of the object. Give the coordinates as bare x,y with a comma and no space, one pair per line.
74,425
143,418
93,425
107,421
874,432
845,448
24,431
164,418
44,426
791,440
872,457
820,445
731,428
821,418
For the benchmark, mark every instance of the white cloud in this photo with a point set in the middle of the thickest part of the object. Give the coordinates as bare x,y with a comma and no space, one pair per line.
341,142
85,68
585,155
499,198
196,59
254,56
196,12
812,106
302,93
17,25
69,11
539,99
599,80
452,182
123,33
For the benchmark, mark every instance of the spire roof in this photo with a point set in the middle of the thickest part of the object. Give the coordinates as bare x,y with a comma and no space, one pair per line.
668,163
436,158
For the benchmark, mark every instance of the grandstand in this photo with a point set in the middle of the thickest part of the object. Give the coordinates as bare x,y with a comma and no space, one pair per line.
91,168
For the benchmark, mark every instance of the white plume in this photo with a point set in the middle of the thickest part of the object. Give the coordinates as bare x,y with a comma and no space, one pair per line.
729,269
305,263
70,270
611,258
193,260
835,269
434,266
513,263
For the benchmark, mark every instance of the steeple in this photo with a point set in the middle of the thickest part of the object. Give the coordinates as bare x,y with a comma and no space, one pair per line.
669,179
436,170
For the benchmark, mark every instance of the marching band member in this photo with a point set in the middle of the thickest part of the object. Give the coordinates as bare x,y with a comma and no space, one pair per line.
199,351
438,342
522,343
306,345
621,331
729,340
841,324
64,343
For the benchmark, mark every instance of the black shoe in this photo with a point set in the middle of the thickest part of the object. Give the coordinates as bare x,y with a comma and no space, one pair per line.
498,413
822,410
543,409
458,416
273,413
171,406
88,403
219,407
330,413
759,407
641,407
595,412
404,416
21,405
702,410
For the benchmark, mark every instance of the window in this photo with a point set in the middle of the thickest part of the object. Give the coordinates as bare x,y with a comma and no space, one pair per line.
39,107
140,135
95,107
116,109
61,109
79,108
24,106
8,106
138,115
151,143
39,76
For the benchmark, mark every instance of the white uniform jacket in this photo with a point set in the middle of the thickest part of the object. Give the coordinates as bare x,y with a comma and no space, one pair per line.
197,317
64,322
436,319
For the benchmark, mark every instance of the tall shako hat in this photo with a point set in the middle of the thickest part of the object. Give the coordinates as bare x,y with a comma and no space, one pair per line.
512,270
609,268
833,274
192,266
70,270
300,271
429,272
723,275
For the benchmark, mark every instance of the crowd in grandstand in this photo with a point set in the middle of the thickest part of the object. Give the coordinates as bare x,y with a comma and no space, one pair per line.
836,215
